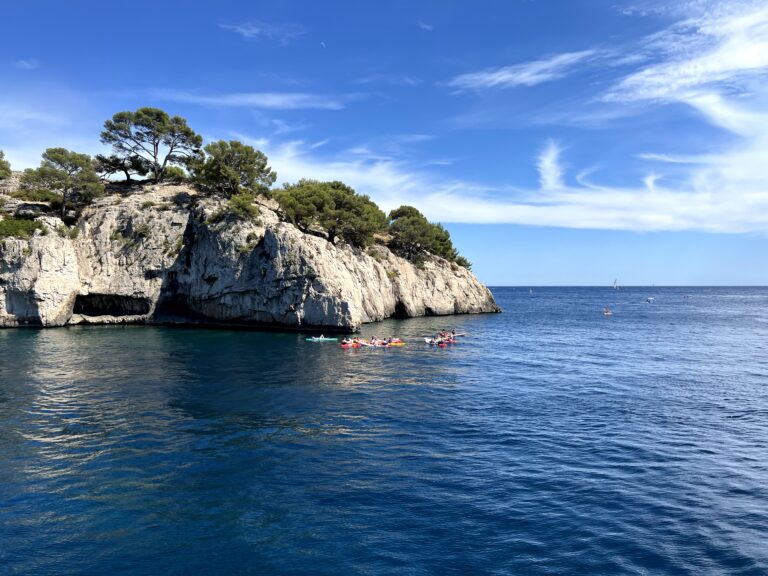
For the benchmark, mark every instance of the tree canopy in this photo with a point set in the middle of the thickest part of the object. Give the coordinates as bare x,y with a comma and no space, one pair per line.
334,207
231,168
113,164
5,167
412,234
68,173
152,136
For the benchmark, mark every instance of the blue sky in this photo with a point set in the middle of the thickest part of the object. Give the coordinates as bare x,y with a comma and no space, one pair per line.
561,142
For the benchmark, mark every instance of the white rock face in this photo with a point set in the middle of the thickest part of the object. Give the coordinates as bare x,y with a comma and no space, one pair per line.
156,256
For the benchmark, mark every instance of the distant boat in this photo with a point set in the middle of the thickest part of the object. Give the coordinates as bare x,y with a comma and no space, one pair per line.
649,300
607,311
616,284
530,290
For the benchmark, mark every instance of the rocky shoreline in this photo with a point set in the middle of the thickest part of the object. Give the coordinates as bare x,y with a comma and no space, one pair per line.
158,254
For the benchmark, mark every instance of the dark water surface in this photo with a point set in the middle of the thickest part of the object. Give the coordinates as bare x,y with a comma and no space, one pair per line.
552,440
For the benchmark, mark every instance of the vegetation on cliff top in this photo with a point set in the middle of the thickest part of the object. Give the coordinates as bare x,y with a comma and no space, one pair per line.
5,167
333,207
151,144
18,227
152,139
70,174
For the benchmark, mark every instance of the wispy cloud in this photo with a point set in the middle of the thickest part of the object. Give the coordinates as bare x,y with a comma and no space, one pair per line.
673,158
14,116
282,127
650,181
255,30
27,64
425,26
524,74
548,164
648,206
390,79
265,100
699,53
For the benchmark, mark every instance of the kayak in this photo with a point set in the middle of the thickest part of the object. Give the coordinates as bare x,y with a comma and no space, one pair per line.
440,342
369,345
323,339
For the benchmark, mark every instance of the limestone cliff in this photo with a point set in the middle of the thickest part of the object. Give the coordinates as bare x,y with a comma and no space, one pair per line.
159,254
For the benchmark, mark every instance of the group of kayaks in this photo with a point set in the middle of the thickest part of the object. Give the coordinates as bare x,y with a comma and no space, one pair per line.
372,343
442,339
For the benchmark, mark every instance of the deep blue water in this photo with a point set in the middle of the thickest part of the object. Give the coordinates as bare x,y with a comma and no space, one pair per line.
552,440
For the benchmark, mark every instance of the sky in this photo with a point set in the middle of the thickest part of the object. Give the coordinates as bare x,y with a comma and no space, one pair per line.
561,142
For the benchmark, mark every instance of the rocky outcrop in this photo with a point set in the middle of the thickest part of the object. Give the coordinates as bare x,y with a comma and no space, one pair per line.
161,254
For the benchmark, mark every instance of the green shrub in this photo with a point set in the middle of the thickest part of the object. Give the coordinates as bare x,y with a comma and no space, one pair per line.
18,228
463,262
173,175
242,206
66,232
36,195
5,167
238,207
375,254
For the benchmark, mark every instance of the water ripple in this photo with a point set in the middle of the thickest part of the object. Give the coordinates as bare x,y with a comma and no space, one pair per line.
552,440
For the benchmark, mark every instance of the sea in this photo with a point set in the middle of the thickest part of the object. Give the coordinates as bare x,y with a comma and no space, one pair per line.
550,440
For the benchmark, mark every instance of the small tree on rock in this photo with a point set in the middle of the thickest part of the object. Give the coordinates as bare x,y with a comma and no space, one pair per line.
154,136
5,167
231,168
114,164
334,207
412,234
68,173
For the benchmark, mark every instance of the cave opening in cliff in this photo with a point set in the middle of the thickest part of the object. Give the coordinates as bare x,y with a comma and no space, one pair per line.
400,310
111,305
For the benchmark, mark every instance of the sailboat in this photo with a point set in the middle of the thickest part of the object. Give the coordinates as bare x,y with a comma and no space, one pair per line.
616,284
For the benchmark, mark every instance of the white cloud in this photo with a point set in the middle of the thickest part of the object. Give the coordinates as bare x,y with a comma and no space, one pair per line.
14,117
265,100
550,172
525,74
27,64
425,26
650,181
673,158
391,79
700,205
701,52
713,61
282,127
255,30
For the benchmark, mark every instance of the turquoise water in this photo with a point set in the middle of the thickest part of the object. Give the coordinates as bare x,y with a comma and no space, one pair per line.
552,440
